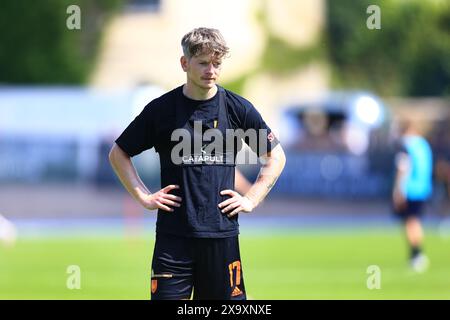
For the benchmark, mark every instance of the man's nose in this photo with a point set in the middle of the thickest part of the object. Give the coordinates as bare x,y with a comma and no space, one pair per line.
210,68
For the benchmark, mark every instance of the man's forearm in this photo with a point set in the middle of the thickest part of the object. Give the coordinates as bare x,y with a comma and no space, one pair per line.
126,172
267,176
242,185
399,177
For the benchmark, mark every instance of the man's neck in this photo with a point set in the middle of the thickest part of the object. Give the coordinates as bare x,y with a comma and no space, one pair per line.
196,93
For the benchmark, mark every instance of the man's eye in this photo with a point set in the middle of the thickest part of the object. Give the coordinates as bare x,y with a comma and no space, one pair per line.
217,65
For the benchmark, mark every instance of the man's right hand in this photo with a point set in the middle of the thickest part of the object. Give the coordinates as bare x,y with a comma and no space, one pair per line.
162,199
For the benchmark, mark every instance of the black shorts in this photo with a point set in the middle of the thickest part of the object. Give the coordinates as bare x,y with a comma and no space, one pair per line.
209,266
413,208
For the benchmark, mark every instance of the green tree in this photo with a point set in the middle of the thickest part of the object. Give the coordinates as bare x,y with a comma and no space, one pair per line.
409,55
37,47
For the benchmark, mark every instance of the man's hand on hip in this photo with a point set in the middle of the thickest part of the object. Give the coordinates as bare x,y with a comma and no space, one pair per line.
162,199
235,204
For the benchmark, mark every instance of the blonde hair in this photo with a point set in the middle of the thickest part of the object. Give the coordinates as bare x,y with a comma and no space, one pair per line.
204,41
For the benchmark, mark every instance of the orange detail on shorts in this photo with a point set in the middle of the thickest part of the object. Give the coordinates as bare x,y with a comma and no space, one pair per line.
231,266
154,285
236,292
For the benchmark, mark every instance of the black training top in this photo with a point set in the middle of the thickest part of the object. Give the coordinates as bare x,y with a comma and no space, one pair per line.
200,171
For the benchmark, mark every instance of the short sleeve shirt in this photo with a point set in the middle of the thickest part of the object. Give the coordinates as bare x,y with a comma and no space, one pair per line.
200,182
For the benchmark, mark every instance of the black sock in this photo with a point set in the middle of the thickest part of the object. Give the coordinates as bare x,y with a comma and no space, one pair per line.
415,251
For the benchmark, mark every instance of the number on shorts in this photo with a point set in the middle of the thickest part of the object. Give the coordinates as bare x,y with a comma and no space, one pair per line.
235,265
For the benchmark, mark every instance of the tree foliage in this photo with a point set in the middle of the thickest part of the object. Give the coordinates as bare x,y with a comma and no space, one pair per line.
409,55
37,47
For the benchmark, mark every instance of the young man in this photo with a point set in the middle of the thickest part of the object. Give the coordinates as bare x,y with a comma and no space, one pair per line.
413,186
197,227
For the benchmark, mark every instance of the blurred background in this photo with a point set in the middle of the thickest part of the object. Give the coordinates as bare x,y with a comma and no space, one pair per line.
331,88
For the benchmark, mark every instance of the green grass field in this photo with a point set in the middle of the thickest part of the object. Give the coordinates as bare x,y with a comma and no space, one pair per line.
289,265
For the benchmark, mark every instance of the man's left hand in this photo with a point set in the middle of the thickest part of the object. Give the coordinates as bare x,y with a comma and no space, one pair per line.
235,204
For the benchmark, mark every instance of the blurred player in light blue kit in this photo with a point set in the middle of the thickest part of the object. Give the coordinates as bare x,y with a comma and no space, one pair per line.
412,188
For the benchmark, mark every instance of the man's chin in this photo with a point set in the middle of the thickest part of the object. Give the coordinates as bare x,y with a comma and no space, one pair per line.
208,86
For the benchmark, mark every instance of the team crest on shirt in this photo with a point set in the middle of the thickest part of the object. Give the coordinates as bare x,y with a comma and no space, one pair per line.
270,137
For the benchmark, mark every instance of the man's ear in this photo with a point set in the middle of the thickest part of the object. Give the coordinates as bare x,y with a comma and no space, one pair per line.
184,63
